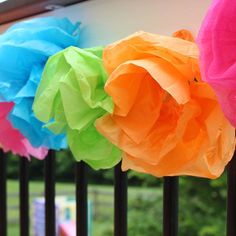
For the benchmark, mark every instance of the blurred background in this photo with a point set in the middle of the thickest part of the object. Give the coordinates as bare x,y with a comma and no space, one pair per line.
201,211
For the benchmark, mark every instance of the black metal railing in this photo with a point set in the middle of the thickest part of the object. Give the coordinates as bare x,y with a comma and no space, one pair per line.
3,194
120,194
81,199
170,206
24,196
231,198
49,181
170,199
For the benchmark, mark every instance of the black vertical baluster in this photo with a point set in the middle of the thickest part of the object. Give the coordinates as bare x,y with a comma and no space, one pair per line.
24,197
170,206
3,194
49,181
120,215
231,198
81,199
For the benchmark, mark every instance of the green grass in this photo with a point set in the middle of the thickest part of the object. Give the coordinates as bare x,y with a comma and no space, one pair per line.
103,214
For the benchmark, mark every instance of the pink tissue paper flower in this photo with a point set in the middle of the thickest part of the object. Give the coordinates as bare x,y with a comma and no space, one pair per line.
217,43
12,140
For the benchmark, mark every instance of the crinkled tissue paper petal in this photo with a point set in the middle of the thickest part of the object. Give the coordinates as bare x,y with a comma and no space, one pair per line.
166,120
12,140
71,93
24,49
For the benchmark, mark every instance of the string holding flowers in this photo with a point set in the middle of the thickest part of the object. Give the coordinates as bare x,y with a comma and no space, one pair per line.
166,120
24,50
71,93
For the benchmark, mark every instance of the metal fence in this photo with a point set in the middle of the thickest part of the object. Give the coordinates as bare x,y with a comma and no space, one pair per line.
170,199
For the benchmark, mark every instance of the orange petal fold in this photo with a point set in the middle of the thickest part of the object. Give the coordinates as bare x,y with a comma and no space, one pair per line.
166,119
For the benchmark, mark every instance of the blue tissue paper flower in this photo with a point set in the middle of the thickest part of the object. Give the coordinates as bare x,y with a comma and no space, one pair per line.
24,50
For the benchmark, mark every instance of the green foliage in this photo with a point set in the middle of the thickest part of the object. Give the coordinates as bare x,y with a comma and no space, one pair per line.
12,166
202,202
141,179
145,216
65,165
202,206
201,211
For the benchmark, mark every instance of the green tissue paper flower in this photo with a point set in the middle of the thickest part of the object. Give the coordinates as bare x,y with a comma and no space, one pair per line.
69,99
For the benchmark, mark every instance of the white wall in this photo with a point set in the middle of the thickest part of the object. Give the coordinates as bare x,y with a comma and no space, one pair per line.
105,21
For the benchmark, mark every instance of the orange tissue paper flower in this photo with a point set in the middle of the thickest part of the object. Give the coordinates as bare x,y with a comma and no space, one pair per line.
166,119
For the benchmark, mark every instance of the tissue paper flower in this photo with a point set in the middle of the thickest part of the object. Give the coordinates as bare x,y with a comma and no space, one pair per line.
166,120
12,140
217,42
24,50
71,93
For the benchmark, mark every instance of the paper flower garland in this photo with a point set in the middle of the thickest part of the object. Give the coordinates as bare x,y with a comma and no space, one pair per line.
141,97
217,42
71,93
12,140
166,120
24,50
